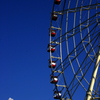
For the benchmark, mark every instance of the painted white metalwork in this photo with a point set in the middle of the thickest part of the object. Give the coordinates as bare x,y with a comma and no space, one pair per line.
89,93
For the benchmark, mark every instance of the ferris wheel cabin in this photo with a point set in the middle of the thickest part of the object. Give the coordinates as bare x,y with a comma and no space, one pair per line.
51,48
52,33
54,79
57,95
57,2
52,64
54,16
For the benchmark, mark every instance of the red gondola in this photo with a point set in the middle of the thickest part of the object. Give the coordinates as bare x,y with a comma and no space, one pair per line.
52,64
57,95
53,33
51,48
57,2
54,17
54,79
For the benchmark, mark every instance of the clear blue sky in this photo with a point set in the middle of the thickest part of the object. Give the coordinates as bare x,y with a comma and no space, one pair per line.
24,72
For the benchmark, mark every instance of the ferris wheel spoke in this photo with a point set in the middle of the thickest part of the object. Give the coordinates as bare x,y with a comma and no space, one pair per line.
77,9
80,80
74,87
86,40
79,50
92,21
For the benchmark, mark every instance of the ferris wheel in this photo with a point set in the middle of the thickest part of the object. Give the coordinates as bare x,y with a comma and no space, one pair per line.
74,49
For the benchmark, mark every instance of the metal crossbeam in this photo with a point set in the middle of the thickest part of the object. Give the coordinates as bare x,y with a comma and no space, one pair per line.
92,20
88,7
